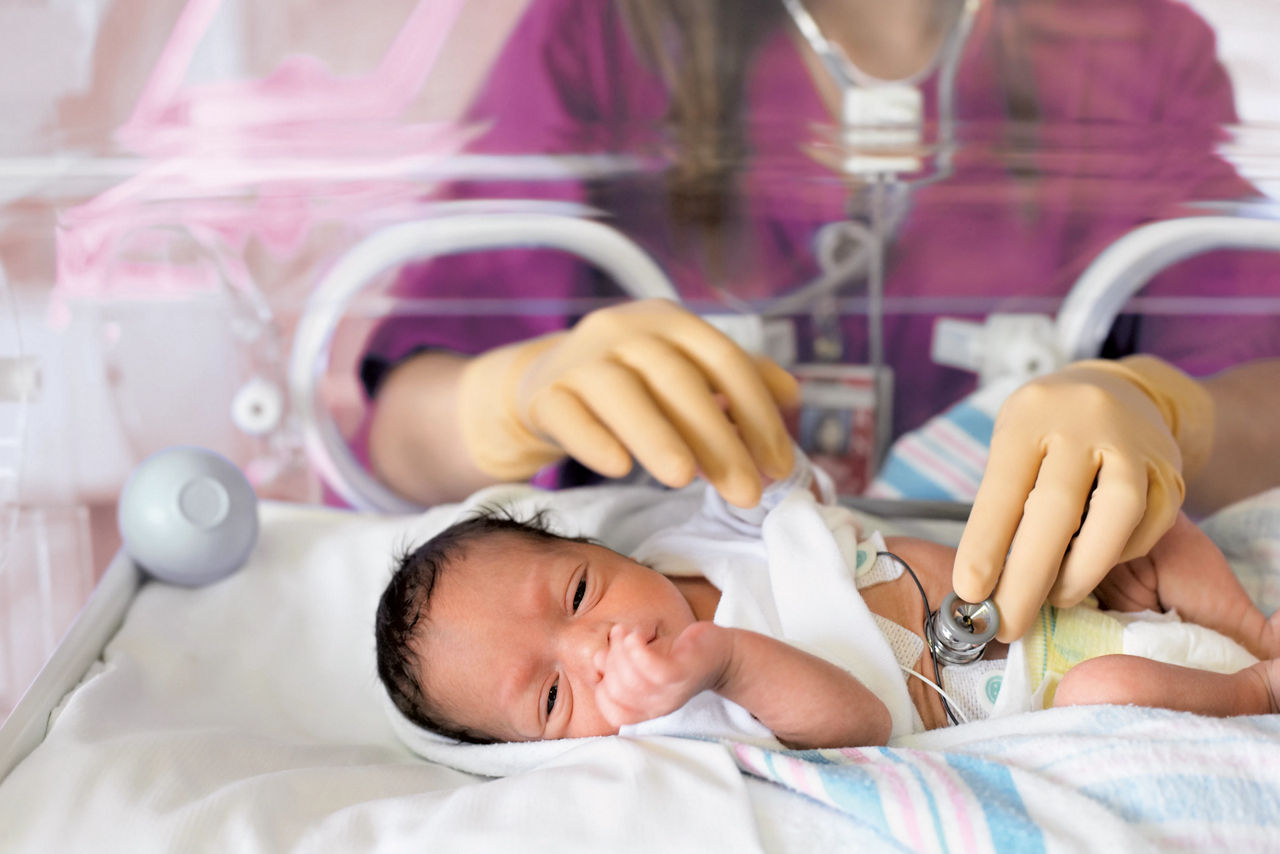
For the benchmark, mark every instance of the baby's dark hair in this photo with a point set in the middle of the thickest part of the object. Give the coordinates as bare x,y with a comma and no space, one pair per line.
407,599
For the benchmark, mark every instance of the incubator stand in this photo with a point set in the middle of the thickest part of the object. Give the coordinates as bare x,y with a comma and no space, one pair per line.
156,291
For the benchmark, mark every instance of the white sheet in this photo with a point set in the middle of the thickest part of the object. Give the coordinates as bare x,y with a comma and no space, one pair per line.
246,717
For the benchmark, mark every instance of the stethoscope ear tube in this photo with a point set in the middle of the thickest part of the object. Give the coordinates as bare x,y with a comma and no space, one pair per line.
958,632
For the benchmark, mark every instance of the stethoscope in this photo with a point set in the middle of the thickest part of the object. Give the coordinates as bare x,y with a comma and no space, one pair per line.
882,119
881,122
881,130
957,632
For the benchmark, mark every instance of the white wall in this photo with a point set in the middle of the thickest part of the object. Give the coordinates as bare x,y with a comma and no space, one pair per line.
1247,33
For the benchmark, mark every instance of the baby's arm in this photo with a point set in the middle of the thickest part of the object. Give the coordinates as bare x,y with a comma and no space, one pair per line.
804,700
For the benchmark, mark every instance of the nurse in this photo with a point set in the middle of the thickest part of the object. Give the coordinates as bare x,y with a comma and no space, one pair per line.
1058,128
1033,134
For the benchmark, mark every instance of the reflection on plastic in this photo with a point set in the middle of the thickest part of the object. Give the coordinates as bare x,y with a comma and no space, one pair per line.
46,574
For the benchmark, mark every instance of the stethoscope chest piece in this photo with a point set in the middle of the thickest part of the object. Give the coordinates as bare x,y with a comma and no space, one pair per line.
959,631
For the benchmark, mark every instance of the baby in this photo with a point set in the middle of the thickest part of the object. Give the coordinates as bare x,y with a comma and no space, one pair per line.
499,630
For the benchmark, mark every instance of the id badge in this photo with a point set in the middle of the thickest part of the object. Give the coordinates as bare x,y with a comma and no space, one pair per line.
842,421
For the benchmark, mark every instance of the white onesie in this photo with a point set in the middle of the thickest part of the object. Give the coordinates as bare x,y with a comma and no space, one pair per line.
790,569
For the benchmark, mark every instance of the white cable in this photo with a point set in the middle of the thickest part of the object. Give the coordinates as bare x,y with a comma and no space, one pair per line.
955,707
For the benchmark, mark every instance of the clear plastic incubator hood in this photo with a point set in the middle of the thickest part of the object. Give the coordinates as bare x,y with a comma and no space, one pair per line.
201,226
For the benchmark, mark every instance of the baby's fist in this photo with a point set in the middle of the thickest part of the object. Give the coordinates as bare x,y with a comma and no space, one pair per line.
646,678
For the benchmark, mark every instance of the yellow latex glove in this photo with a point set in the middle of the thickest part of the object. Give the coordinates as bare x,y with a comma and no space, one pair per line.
1136,425
646,379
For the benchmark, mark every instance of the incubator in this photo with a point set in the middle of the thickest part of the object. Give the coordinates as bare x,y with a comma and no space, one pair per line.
206,265
207,226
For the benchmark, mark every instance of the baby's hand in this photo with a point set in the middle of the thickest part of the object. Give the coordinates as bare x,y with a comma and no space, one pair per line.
646,679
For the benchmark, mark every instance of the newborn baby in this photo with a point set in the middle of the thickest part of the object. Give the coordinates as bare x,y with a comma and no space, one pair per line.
497,629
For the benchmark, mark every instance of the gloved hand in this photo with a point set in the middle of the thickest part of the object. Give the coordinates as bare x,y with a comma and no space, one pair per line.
1109,441
645,379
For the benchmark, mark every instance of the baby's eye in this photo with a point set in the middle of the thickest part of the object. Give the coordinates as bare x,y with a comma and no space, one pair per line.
580,592
551,696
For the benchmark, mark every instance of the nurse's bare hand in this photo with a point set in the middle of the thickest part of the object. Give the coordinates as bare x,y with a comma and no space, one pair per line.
646,380
1101,441
646,677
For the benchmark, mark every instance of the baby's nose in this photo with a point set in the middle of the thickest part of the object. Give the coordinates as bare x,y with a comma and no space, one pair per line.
588,645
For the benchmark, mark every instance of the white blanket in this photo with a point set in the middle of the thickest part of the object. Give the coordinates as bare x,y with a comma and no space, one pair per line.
246,716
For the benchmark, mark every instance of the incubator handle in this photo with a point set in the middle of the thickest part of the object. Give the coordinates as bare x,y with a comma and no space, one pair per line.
1125,266
396,245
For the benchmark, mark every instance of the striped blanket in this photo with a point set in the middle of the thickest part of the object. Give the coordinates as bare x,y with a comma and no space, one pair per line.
943,459
1084,779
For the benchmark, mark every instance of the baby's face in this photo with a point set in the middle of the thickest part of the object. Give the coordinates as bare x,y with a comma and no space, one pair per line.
510,640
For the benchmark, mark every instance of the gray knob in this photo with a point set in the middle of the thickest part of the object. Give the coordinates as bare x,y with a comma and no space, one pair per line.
188,516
